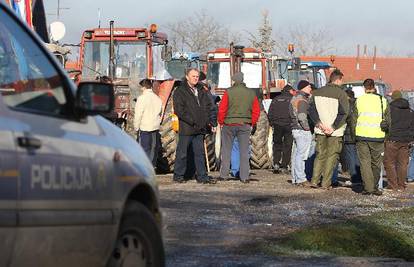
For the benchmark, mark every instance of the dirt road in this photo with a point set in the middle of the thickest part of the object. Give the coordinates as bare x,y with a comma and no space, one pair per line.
226,224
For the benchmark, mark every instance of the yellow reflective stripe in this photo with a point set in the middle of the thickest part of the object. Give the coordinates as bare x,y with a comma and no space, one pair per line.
9,174
370,114
367,124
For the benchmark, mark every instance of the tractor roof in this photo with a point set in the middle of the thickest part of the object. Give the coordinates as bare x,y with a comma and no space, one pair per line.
186,55
317,64
140,33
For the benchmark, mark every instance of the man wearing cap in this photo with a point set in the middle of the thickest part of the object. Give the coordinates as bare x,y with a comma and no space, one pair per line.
239,111
280,120
192,105
328,109
370,111
399,118
147,119
301,132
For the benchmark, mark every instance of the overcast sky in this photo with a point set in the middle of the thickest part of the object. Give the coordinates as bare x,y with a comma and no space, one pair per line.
384,23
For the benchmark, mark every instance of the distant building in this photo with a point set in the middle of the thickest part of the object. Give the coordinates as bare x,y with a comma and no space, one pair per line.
395,71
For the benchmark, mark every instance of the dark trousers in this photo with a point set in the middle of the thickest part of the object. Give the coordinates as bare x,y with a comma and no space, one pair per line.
150,142
181,156
351,162
369,154
228,133
327,156
282,145
396,163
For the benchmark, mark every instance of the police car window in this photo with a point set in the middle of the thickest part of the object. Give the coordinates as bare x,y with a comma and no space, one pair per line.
28,81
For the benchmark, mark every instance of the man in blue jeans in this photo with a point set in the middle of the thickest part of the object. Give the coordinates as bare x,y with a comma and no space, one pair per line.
302,136
235,159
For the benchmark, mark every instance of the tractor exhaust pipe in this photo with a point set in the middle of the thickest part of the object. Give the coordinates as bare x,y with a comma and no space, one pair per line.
236,55
111,51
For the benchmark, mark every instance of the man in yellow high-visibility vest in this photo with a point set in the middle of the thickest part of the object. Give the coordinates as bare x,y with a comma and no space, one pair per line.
370,110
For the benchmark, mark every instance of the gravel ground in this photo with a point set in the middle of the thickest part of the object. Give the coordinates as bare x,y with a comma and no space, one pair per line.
224,224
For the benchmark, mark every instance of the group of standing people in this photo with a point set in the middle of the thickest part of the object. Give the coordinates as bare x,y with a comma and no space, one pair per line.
329,124
312,131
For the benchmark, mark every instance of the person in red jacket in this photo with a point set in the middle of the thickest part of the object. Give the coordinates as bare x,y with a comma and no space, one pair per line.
239,111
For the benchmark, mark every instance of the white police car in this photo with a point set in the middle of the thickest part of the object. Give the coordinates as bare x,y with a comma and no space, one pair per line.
74,189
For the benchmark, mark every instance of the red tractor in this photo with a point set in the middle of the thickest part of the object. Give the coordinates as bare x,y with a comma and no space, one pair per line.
222,64
125,56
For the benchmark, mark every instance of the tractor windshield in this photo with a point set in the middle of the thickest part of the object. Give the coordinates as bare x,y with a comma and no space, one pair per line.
177,67
294,76
314,75
130,60
219,74
252,71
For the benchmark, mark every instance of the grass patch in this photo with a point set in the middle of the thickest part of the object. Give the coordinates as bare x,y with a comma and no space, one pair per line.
387,234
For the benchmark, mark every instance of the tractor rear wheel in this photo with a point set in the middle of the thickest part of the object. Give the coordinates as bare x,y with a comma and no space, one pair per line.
259,158
166,156
210,141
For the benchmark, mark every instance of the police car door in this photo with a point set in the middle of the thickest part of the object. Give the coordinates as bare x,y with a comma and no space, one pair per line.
62,220
8,182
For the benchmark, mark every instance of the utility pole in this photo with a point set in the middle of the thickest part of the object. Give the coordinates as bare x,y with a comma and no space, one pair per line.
60,8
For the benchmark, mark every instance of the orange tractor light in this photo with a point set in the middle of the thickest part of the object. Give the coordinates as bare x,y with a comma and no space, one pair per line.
291,48
153,28
332,58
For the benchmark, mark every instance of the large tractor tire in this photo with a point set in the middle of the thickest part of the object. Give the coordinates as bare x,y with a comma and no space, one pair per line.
210,141
259,158
169,140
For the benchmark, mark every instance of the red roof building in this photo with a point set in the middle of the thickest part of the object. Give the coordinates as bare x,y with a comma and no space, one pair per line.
395,71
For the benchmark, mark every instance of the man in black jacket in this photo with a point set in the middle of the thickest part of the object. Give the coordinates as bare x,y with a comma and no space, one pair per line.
192,105
280,120
400,134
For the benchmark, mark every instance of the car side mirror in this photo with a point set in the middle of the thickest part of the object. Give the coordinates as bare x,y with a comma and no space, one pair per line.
94,98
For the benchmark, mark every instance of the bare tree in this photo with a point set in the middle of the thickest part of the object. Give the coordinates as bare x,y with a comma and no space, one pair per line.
307,40
263,40
199,33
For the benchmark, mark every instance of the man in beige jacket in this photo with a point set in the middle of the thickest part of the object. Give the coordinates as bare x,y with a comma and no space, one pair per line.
328,109
147,119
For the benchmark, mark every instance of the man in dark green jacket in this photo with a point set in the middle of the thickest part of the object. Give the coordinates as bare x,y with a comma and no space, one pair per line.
239,111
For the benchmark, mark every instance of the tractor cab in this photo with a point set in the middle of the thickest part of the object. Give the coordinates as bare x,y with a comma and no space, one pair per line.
312,71
181,61
125,56
222,63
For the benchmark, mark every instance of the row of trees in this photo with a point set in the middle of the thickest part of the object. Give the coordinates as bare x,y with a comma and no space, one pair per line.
202,33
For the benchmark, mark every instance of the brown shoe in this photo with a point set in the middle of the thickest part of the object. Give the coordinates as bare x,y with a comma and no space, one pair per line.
326,187
313,185
304,184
